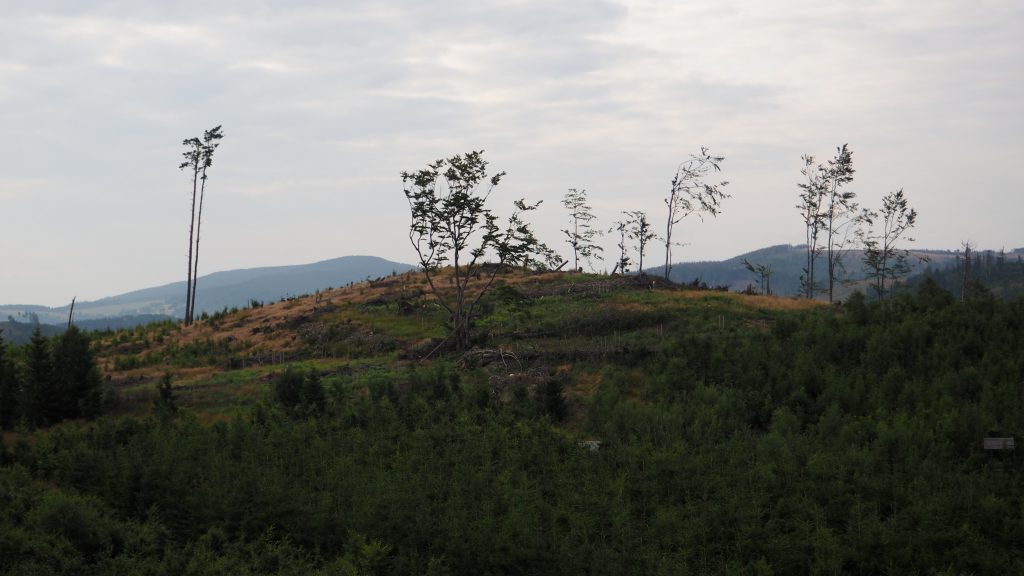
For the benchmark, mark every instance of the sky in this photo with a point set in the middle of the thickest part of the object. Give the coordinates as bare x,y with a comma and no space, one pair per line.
323,105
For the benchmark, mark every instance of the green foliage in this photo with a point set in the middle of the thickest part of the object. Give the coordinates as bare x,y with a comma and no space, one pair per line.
581,236
623,262
887,262
300,391
8,387
39,401
551,399
831,219
76,377
691,194
165,404
639,229
452,225
58,380
764,275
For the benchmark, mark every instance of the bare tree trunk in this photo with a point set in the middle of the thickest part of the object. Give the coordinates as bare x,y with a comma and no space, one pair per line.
668,245
831,256
965,279
199,225
71,313
191,229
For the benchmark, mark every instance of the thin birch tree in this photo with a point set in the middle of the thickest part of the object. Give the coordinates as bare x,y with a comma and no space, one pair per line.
883,258
690,193
581,234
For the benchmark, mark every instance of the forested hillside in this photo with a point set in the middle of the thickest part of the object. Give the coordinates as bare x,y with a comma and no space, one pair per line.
998,273
597,426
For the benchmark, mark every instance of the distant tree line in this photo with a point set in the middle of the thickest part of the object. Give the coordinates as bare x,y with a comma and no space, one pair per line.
978,273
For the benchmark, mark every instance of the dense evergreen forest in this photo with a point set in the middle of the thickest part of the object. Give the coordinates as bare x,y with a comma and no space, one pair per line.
52,379
702,439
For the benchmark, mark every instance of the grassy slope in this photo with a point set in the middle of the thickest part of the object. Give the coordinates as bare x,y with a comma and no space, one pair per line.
531,323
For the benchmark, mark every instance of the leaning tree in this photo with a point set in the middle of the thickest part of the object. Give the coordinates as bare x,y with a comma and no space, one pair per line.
690,193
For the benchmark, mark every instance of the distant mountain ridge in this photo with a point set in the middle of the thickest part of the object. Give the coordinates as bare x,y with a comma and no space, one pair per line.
236,288
215,291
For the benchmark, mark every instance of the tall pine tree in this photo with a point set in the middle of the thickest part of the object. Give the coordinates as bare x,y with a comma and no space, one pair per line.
39,402
76,378
8,388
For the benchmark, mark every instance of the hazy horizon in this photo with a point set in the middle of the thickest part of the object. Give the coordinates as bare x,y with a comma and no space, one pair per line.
324,106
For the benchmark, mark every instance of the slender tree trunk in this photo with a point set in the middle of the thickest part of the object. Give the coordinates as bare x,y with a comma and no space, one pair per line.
831,256
460,321
191,230
885,267
575,243
199,225
668,240
809,280
812,256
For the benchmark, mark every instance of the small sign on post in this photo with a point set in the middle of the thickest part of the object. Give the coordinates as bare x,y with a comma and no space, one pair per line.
997,443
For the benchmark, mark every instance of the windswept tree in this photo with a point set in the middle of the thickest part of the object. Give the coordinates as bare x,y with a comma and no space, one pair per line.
453,226
764,272
812,196
520,247
642,233
198,157
690,193
621,227
840,219
581,235
884,259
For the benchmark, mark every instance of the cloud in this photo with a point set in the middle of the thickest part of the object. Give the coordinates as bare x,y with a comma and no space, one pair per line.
323,104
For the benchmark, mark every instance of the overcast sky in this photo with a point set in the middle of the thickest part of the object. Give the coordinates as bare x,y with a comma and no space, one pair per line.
324,104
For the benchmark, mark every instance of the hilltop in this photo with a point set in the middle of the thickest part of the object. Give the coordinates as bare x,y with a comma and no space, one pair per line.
531,319
238,288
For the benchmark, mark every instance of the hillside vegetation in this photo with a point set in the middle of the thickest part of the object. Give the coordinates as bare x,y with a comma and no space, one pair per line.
598,425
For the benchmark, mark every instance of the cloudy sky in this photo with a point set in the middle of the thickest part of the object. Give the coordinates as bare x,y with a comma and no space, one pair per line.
324,104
